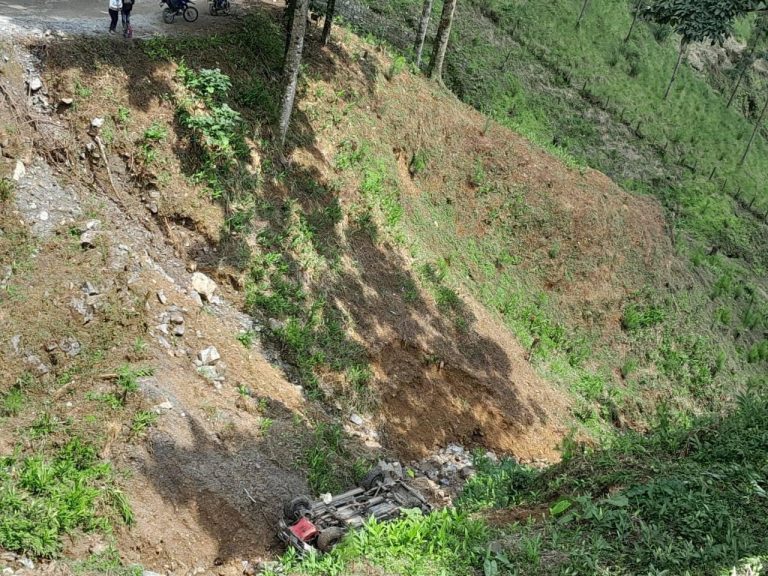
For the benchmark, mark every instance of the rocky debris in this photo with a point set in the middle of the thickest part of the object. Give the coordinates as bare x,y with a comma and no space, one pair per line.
9,560
68,346
196,298
42,201
208,356
34,362
34,83
163,407
203,286
89,289
16,344
88,239
450,467
87,307
213,374
19,170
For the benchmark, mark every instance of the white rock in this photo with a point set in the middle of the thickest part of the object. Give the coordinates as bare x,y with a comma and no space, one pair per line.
208,356
163,407
97,123
161,297
16,343
19,171
88,239
43,216
356,419
275,324
203,285
67,101
92,225
35,83
209,373
196,297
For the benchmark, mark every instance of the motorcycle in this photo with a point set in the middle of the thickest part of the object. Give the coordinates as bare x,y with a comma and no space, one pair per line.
175,7
216,7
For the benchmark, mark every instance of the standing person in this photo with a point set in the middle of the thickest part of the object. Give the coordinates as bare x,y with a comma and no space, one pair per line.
114,10
126,14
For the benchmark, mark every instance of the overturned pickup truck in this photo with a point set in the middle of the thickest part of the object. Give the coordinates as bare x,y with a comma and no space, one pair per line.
317,526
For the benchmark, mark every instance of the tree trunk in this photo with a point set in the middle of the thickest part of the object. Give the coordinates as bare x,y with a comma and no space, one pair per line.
683,48
754,133
288,13
632,27
330,11
746,62
292,65
736,86
421,33
581,15
441,40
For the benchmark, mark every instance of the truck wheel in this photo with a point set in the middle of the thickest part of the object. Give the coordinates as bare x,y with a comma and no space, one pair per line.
373,478
295,509
329,537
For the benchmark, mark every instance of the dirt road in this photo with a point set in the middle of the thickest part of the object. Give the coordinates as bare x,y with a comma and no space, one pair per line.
91,17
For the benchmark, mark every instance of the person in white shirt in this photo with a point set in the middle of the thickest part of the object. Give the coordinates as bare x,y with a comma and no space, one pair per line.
114,11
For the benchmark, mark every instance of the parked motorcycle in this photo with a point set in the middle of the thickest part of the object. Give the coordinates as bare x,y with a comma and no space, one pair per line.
178,7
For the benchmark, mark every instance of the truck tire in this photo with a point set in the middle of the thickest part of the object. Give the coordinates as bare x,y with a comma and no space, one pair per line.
373,478
329,537
295,509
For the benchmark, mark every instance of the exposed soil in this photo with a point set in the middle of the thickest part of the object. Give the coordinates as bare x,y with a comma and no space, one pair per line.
435,384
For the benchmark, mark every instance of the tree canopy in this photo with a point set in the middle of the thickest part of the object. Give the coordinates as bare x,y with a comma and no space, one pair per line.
700,20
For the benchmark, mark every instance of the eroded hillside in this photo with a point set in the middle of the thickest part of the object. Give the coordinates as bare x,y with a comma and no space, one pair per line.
415,275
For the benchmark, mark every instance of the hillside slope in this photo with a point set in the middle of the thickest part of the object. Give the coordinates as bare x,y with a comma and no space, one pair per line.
417,275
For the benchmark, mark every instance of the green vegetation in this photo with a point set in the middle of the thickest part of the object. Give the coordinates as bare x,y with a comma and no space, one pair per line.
107,563
51,493
593,99
702,511
330,466
142,420
445,542
6,189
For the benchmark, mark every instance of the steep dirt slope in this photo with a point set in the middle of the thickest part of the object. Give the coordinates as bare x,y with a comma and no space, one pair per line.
438,377
74,310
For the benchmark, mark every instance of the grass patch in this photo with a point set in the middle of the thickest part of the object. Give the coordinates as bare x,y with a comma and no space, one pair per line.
330,467
685,499
46,495
444,542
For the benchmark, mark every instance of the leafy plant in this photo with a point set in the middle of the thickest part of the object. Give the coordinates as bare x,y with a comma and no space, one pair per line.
637,317
12,402
142,420
45,496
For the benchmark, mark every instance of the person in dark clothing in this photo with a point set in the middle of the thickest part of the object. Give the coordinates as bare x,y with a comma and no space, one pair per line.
114,11
126,16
